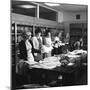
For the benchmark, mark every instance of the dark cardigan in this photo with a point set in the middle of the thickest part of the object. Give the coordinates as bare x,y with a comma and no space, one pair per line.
23,50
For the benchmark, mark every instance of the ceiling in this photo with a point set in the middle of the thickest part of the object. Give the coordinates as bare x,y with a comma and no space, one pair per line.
67,7
62,7
16,8
45,10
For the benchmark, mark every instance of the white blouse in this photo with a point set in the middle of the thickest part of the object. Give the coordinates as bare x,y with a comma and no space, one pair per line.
56,39
30,57
48,45
48,41
36,42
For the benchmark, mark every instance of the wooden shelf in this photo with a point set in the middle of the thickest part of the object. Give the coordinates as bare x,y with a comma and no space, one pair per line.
12,33
75,34
77,31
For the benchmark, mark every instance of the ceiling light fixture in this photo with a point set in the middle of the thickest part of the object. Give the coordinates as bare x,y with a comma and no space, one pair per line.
52,4
27,6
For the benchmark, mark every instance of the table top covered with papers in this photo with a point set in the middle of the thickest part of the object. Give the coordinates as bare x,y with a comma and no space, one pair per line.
54,61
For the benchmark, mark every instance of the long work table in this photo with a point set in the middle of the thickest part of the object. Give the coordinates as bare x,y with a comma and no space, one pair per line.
59,70
59,75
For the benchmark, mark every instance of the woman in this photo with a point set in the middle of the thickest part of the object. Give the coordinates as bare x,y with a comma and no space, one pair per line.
37,44
47,47
26,48
79,44
66,39
26,57
58,37
57,42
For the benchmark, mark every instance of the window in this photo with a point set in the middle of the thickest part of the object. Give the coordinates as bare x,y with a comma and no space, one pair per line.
78,16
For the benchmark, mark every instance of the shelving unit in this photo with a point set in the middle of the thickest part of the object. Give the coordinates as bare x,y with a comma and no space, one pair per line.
13,43
78,30
75,31
85,39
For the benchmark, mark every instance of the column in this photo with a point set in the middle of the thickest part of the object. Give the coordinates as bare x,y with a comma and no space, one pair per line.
37,12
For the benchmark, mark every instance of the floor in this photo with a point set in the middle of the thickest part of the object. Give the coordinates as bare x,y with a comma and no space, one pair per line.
18,81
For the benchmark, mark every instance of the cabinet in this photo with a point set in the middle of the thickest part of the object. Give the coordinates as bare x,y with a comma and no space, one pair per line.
78,30
13,46
85,35
21,29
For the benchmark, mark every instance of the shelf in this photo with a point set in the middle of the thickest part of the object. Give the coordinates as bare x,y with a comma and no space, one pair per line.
13,55
12,33
74,34
19,34
13,44
77,29
76,25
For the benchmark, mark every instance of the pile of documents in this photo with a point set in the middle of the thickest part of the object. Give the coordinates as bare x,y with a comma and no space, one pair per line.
48,63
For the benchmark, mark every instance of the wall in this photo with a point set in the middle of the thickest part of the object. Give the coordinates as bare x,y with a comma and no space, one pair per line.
34,21
60,17
64,19
70,17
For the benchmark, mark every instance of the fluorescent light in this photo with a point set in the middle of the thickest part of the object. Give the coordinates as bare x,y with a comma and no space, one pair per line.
27,6
52,4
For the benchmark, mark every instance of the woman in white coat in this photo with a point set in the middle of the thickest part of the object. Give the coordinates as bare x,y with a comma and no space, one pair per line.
47,47
37,44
